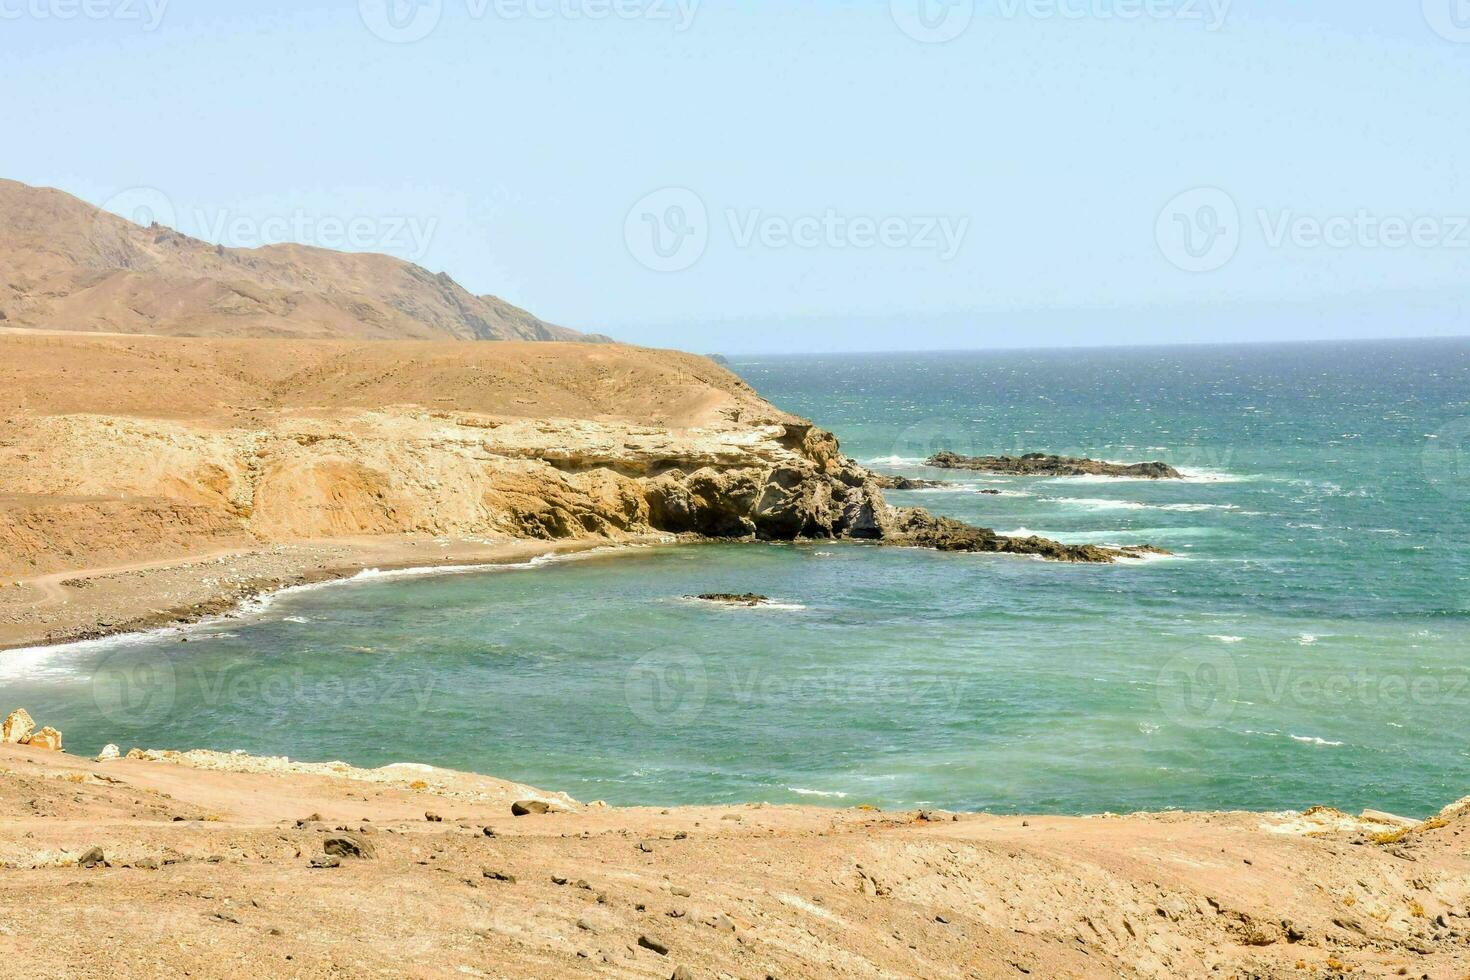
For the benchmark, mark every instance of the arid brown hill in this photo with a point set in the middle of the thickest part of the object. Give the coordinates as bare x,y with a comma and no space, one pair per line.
66,265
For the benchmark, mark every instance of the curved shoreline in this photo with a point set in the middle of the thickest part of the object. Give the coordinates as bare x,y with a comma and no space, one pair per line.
305,567
290,568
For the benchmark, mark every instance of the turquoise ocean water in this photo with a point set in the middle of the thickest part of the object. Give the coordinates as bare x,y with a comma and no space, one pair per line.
1310,643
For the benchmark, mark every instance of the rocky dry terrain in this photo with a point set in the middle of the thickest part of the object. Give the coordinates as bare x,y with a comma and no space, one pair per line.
176,475
1041,464
213,865
66,265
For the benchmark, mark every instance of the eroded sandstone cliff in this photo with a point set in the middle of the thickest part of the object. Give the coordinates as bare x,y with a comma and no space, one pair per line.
149,449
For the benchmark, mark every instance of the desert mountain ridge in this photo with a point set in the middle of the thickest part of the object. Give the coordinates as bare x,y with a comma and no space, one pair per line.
67,265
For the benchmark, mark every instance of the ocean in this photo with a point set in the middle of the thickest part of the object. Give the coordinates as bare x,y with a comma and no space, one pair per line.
1308,642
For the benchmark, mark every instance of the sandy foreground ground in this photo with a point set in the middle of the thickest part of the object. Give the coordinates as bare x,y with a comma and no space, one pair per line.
215,865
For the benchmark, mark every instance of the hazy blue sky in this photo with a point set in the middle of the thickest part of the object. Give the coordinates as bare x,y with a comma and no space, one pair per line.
753,175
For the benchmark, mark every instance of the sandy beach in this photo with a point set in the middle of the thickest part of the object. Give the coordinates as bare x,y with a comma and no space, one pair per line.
89,603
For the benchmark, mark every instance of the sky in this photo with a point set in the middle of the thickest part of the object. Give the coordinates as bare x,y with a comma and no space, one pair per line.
755,176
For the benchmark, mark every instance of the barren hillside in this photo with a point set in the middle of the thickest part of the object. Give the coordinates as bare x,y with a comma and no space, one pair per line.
66,265
217,381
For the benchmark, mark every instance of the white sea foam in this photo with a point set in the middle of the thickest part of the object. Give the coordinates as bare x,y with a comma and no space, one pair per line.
947,488
897,461
1104,503
295,619
59,660
1188,476
1146,557
817,792
1307,639
1228,639
31,663
1312,740
1204,475
1303,739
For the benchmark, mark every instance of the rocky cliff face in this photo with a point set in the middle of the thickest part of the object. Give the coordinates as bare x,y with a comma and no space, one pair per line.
148,489
161,483
118,451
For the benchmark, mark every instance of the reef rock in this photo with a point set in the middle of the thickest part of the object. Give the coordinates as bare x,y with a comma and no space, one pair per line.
1042,464
730,599
888,482
918,528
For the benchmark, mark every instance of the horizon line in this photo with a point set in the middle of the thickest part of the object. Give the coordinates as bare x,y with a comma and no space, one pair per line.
1167,345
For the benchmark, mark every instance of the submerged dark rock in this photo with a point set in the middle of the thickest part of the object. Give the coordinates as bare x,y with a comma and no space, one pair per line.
732,599
1042,464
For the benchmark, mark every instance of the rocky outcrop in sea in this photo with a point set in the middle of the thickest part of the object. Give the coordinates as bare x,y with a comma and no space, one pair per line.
815,492
1042,464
